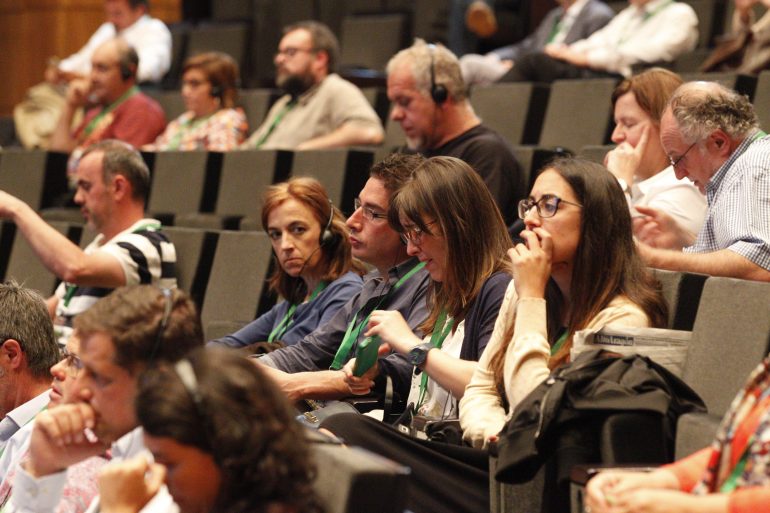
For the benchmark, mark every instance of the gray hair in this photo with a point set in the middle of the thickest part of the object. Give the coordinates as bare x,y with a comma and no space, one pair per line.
700,108
446,68
25,319
120,158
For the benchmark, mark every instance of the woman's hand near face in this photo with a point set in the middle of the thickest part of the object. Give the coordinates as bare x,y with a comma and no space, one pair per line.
532,263
393,330
126,487
624,160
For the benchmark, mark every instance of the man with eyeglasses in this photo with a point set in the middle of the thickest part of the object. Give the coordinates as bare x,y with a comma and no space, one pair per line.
120,336
711,136
311,368
319,109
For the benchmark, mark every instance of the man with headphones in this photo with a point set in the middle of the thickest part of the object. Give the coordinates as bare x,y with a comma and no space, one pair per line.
116,107
430,101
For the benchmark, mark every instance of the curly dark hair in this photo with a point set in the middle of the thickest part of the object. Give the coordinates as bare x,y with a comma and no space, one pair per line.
243,421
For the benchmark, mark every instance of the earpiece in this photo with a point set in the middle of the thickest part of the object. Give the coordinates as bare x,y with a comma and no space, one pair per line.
438,92
126,71
216,91
327,236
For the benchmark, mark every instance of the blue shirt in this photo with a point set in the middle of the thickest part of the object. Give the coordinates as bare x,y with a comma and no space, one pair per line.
307,317
738,195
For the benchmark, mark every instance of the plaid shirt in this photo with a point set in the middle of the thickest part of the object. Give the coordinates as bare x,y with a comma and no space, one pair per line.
738,196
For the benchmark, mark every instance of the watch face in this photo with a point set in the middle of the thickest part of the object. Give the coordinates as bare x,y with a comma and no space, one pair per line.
417,355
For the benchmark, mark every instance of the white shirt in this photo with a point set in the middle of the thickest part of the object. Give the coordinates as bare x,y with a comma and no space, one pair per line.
439,402
41,495
678,198
148,36
661,30
23,415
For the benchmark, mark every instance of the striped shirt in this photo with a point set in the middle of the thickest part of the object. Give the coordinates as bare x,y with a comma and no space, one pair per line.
738,196
146,255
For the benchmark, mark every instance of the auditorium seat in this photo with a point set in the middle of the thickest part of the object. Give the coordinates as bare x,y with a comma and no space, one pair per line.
514,110
343,172
394,135
244,178
194,257
237,280
183,182
227,37
682,292
710,15
170,101
762,99
579,113
369,41
595,153
36,177
744,84
255,104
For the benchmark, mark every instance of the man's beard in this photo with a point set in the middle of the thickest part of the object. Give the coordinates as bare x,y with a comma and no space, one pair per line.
294,85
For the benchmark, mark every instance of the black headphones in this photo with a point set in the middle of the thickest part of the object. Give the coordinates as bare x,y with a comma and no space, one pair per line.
216,91
128,64
328,236
438,92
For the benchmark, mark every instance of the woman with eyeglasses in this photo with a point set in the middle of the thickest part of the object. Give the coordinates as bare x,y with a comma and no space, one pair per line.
644,171
315,273
212,121
578,237
223,438
450,222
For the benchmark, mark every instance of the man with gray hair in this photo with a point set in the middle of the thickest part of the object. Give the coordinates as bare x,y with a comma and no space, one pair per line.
27,353
112,185
430,101
711,136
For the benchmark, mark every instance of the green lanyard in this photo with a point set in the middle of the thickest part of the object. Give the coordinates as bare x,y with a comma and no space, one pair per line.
354,330
288,319
184,129
70,291
556,26
559,342
647,17
286,108
732,480
92,124
436,340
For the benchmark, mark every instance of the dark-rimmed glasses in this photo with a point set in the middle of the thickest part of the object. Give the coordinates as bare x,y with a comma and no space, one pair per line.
72,362
415,233
676,162
546,206
291,51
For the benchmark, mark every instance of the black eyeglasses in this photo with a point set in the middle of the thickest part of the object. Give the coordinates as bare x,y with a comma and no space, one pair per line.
72,361
291,51
368,213
546,206
676,162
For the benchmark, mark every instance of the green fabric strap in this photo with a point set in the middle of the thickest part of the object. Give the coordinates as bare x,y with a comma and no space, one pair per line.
275,122
288,319
92,124
354,330
559,342
436,340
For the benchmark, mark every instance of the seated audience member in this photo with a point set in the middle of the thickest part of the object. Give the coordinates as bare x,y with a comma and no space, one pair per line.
36,116
315,272
113,182
571,21
746,49
312,367
224,439
711,136
319,109
81,486
116,107
645,32
729,476
28,350
120,336
599,281
211,122
468,282
130,20
430,102
639,161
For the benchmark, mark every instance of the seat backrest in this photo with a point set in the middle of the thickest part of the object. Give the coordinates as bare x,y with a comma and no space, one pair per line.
194,256
229,38
343,172
762,99
25,267
358,50
585,100
595,153
682,292
171,102
183,181
710,15
520,121
744,84
237,279
245,177
255,104
352,480
730,338
36,177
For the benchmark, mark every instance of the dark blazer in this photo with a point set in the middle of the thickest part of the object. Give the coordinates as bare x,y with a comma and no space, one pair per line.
594,15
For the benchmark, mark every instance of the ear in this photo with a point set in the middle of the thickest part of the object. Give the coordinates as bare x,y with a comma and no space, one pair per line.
322,59
720,142
120,187
11,351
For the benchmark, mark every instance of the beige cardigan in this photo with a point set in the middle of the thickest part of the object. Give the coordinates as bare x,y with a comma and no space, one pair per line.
526,360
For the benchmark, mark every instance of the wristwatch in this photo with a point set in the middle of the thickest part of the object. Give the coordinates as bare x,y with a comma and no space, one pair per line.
419,354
